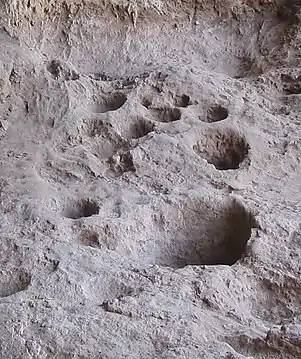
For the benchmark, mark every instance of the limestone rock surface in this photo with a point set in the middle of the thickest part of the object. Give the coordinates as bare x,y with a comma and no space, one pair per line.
150,179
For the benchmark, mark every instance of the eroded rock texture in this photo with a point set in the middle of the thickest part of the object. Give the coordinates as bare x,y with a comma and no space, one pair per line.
150,179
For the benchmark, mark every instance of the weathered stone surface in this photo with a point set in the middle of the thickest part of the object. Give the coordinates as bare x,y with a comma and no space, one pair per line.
150,179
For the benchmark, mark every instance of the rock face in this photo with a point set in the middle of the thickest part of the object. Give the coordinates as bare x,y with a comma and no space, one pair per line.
150,179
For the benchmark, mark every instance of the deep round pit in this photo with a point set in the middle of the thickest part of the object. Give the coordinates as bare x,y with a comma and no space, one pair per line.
13,281
166,114
110,102
181,100
224,149
141,129
146,102
217,113
204,233
80,209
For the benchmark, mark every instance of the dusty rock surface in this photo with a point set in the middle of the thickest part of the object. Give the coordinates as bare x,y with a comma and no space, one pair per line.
150,179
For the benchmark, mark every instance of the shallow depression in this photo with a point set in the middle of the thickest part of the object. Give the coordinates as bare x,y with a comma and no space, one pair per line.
121,163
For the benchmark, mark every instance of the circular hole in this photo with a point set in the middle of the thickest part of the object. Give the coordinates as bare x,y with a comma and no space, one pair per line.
141,129
198,233
88,238
84,208
217,113
225,150
13,281
182,100
111,102
166,114
146,102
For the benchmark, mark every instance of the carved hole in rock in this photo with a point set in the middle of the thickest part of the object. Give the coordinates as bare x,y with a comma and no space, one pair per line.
13,281
181,100
166,114
141,129
291,85
80,209
217,113
224,149
110,102
146,102
89,238
54,68
205,234
294,89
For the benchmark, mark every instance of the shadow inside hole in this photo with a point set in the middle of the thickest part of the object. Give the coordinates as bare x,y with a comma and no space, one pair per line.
208,235
182,100
84,208
225,150
88,238
292,89
146,102
166,114
217,113
291,84
141,129
13,282
54,68
110,102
